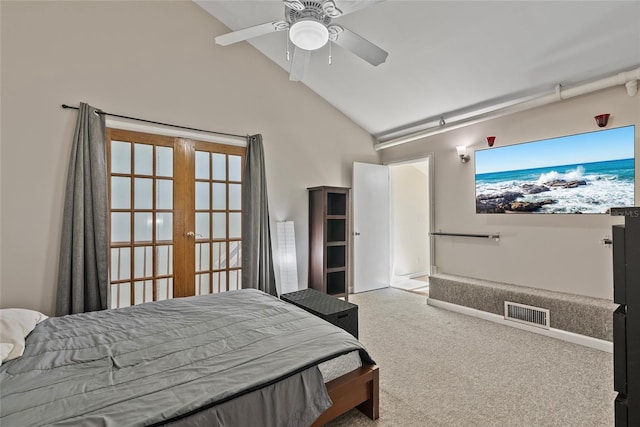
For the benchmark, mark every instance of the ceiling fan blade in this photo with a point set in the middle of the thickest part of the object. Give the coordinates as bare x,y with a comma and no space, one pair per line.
247,33
349,6
361,47
299,61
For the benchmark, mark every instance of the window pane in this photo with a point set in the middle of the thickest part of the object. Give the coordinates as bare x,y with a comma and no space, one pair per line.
164,226
219,196
165,260
219,166
113,295
120,157
202,225
143,193
233,280
234,254
138,292
143,261
219,226
235,168
223,281
164,194
219,281
202,256
202,284
202,195
148,290
124,290
235,191
143,291
143,159
162,290
164,161
202,165
120,263
143,223
120,192
219,255
120,227
115,261
234,225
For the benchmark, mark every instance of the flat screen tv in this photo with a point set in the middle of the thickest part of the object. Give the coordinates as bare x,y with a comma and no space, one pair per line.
576,174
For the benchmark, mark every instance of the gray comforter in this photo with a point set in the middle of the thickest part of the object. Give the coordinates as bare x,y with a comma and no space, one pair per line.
167,360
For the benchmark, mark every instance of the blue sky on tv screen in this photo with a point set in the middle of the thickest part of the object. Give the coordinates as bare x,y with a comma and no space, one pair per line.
598,146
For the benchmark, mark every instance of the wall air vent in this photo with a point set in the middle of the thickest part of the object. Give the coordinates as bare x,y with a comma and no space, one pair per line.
534,316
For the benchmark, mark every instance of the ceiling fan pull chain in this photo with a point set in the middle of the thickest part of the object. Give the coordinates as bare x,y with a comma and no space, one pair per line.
330,60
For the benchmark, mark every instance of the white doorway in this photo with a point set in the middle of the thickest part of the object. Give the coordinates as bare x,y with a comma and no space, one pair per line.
411,219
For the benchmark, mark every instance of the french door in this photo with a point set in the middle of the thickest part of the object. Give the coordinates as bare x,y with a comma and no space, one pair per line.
174,217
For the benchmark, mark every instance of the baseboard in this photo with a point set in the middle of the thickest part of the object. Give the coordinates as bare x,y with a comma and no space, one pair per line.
418,274
411,275
574,338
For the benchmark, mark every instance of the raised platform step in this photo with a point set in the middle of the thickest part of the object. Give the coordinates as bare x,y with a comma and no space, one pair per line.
579,314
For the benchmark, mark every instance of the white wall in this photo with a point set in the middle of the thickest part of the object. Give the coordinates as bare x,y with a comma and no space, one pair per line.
410,221
154,60
556,252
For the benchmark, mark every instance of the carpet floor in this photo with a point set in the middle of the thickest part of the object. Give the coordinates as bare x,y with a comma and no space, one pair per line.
440,368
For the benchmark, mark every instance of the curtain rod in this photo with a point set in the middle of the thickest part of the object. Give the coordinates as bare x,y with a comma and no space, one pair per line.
159,123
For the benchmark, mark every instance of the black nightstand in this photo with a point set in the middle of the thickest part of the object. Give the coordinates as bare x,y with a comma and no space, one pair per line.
341,313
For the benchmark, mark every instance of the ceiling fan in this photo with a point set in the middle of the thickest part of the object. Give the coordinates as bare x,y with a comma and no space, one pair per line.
310,27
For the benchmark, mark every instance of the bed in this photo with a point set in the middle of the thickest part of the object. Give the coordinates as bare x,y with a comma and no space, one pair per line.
231,359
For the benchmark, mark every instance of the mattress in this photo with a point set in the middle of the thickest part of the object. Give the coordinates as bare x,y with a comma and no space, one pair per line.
338,366
163,362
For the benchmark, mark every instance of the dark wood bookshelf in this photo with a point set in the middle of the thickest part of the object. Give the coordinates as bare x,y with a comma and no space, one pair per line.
329,240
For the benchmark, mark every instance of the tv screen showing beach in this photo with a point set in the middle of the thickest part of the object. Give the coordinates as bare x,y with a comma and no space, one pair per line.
585,173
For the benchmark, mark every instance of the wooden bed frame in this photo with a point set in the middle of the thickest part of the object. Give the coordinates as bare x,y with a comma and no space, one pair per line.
359,388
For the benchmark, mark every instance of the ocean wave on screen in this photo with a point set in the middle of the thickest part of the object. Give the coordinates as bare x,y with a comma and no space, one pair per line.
596,197
573,175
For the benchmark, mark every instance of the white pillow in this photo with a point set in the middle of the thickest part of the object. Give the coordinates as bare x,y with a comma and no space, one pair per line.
5,349
15,325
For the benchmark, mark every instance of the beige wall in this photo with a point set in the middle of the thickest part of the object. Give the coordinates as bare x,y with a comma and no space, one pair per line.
410,220
154,60
557,252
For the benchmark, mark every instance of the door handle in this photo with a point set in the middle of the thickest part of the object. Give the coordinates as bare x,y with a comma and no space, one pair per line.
356,234
190,234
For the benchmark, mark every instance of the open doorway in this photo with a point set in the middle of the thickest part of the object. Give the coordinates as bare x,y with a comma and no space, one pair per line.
411,218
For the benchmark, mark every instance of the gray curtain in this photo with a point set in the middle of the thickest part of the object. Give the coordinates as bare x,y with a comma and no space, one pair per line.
83,269
257,261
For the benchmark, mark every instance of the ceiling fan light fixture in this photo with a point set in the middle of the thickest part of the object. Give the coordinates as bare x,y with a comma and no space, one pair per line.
309,34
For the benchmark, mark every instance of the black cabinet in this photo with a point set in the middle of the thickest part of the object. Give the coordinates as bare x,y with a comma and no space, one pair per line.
343,314
626,318
329,240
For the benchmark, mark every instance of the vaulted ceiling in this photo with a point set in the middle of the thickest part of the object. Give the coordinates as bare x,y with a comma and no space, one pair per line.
448,58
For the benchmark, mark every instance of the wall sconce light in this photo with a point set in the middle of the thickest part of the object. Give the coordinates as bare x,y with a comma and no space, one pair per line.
462,152
491,140
602,119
